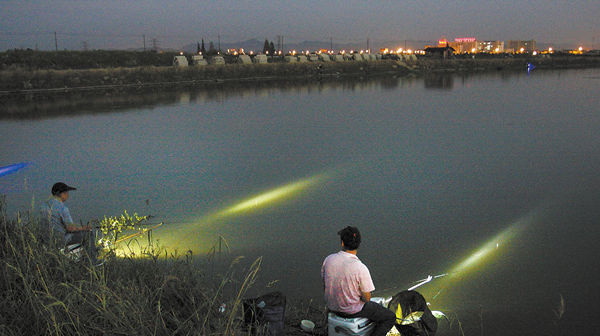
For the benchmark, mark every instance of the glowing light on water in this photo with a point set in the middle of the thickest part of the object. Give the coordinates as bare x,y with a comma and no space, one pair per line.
198,234
493,245
269,197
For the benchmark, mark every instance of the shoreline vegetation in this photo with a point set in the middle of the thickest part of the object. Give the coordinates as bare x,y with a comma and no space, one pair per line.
35,72
44,292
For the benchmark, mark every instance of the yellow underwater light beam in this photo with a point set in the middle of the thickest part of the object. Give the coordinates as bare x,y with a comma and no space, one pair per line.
267,198
491,246
187,237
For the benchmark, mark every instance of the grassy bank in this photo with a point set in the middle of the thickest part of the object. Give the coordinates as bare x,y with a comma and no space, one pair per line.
91,79
24,80
42,292
30,60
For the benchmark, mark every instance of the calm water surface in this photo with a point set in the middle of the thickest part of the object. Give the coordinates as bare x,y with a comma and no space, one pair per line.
430,169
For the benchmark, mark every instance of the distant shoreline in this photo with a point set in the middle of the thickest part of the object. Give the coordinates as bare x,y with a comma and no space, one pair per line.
31,82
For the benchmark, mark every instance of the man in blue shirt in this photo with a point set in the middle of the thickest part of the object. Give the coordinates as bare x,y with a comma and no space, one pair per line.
57,217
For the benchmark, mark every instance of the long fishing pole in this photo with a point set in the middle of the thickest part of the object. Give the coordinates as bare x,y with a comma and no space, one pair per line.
139,233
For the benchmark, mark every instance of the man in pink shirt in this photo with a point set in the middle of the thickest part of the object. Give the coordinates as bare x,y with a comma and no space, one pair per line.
348,285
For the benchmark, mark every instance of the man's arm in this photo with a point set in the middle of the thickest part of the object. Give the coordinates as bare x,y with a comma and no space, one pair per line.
74,228
68,220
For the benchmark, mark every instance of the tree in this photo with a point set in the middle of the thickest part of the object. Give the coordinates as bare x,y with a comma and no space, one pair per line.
272,48
266,47
202,49
211,49
197,47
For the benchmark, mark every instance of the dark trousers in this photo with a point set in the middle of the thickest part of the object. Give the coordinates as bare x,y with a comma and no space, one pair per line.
383,318
87,239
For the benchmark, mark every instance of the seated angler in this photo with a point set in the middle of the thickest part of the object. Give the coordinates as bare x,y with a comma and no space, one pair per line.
55,214
348,285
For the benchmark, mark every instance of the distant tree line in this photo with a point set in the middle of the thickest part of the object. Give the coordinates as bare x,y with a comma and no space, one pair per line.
268,47
211,48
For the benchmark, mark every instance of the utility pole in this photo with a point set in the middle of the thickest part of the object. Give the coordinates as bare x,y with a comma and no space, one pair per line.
144,37
55,42
367,44
219,38
331,43
279,43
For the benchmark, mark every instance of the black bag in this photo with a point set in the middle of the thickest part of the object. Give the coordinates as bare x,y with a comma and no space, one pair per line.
411,302
266,310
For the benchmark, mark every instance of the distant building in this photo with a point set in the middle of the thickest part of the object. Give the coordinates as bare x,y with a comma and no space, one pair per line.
518,45
462,45
244,59
219,60
441,52
470,45
180,61
490,46
260,59
198,60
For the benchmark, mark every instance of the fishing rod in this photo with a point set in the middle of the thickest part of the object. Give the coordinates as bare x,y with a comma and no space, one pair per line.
426,280
139,233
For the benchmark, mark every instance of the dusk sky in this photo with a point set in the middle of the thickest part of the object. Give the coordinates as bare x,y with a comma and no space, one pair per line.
121,24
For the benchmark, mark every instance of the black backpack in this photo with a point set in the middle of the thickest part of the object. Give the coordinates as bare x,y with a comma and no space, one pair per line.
411,301
266,311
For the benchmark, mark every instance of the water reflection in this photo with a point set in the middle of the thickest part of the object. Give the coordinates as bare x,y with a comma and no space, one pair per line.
36,106
439,81
103,101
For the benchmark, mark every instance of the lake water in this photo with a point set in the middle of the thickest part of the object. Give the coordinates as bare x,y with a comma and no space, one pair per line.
429,169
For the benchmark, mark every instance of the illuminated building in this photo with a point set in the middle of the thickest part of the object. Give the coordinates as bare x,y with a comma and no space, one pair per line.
517,45
464,44
490,46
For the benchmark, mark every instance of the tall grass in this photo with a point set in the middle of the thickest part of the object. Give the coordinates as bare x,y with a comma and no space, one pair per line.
43,292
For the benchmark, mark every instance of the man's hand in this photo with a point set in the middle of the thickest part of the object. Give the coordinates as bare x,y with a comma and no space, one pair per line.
366,296
74,228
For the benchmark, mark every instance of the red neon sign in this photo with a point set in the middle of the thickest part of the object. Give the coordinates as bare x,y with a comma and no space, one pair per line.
465,39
